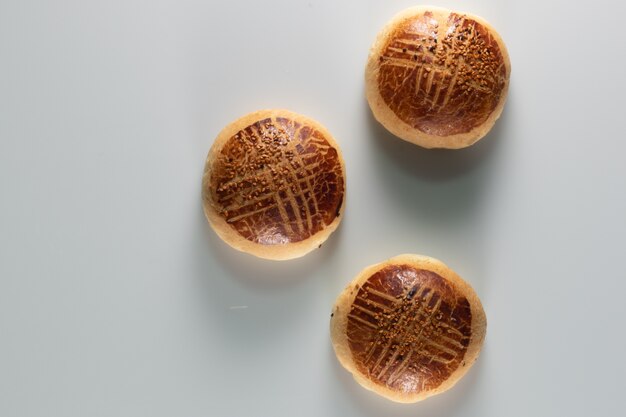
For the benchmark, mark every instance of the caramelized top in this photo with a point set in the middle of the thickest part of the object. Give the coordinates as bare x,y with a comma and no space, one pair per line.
442,76
277,181
408,329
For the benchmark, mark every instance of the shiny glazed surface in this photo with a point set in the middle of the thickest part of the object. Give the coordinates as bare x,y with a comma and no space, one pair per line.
442,76
408,329
277,181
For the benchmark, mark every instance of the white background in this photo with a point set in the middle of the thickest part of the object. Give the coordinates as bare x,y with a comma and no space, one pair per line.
116,296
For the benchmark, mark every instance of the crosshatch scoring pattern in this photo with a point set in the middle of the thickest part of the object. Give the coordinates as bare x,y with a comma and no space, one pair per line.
442,78
278,181
408,328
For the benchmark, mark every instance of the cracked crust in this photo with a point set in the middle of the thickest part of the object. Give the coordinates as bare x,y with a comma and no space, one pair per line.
437,78
408,328
274,184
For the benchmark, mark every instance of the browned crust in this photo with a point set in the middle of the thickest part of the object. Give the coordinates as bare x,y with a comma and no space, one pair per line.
274,184
433,88
349,358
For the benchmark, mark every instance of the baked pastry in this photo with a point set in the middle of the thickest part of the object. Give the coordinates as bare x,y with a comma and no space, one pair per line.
437,78
274,184
408,328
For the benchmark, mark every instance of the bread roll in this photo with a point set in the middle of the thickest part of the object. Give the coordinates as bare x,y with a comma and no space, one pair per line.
408,328
437,78
274,184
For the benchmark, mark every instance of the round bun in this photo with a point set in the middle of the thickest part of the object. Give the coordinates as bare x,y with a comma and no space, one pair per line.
437,78
274,184
408,328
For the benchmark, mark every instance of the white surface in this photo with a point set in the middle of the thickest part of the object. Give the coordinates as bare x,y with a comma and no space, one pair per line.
115,296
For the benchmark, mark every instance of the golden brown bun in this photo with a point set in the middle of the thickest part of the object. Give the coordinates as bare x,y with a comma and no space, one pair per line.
437,78
274,184
408,328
